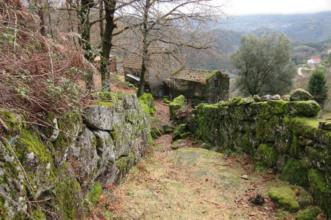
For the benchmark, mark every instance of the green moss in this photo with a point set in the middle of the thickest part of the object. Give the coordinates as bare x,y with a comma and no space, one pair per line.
310,213
302,126
10,121
178,103
95,193
320,189
69,126
38,214
285,197
104,96
124,164
30,142
266,155
304,108
295,172
180,132
147,103
67,192
283,215
104,104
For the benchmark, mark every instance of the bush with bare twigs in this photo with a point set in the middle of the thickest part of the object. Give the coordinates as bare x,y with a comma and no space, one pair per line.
37,74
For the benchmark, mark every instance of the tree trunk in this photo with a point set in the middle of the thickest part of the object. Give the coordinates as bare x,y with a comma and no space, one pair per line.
141,88
85,28
41,15
101,19
110,7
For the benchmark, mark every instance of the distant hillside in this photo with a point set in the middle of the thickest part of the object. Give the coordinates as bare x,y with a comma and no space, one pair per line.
300,28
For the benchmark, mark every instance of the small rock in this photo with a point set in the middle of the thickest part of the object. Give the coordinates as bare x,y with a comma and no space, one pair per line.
30,156
276,97
245,177
257,200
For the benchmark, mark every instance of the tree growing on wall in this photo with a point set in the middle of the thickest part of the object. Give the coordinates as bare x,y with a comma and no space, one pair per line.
264,65
317,86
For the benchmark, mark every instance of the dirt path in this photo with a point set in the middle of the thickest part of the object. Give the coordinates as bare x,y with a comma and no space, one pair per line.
191,183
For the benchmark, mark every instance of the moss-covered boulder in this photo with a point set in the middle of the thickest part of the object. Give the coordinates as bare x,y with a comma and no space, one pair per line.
304,108
285,197
295,172
147,103
266,156
300,95
309,213
177,107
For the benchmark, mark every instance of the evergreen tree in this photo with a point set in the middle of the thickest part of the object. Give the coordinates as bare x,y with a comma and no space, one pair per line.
317,86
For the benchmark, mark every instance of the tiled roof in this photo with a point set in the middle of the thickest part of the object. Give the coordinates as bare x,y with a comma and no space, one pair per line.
133,61
200,76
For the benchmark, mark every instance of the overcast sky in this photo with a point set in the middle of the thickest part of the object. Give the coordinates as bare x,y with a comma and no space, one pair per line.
242,7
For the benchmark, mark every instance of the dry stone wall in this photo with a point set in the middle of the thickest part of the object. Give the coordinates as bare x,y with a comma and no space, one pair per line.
278,134
97,145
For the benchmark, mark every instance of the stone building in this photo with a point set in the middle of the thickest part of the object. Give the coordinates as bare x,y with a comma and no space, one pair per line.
159,67
199,85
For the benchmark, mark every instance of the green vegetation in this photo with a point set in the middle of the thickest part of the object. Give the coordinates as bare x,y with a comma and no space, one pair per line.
310,213
30,142
176,105
295,172
255,77
285,197
318,86
147,103
95,193
266,156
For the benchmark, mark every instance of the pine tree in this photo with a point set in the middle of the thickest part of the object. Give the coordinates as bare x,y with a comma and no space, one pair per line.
318,86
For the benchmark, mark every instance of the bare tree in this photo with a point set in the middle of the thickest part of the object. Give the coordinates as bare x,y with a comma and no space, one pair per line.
169,23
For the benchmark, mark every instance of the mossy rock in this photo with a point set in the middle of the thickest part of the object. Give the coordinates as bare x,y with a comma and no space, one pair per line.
309,213
68,195
300,95
124,164
266,155
180,132
285,197
10,122
304,108
29,142
147,103
295,172
179,103
320,189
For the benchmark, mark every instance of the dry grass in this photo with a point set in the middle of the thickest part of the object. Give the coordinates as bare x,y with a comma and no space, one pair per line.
37,74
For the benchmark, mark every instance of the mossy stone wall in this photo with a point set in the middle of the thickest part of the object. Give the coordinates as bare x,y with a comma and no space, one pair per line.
283,135
64,167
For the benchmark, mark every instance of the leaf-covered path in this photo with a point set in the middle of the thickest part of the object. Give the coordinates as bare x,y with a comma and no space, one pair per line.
190,183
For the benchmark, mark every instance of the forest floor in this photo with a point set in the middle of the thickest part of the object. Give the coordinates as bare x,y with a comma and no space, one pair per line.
191,183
